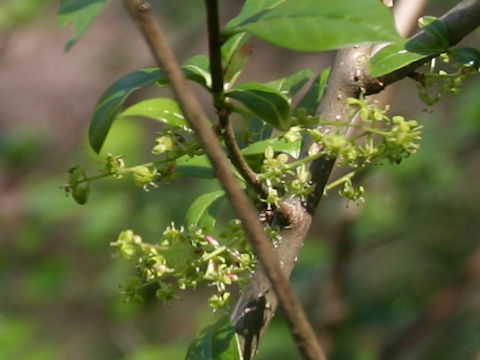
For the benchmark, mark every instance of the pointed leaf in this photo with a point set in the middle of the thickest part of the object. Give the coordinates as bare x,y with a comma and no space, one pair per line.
81,14
216,342
290,85
313,96
202,213
112,100
312,25
164,110
266,103
236,53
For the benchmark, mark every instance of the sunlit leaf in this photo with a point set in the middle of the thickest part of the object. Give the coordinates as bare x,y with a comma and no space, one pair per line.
203,211
81,14
161,109
263,101
216,342
312,25
407,51
396,56
112,100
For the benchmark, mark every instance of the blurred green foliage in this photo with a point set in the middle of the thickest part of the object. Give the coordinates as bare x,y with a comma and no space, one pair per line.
16,12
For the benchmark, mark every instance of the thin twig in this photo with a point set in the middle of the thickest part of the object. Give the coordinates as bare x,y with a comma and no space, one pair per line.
220,103
300,328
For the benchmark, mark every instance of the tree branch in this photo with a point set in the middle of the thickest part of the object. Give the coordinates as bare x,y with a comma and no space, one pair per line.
332,308
299,326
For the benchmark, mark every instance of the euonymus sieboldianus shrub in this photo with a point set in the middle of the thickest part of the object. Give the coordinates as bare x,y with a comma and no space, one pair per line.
278,133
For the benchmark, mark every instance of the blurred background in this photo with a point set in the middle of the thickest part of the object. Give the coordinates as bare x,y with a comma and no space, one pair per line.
397,277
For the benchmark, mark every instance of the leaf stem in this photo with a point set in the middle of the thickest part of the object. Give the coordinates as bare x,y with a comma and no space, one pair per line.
220,103
357,126
191,147
340,181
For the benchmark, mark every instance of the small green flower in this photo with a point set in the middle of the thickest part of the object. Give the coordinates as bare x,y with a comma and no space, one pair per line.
164,143
114,165
143,175
78,185
350,192
293,134
165,292
218,301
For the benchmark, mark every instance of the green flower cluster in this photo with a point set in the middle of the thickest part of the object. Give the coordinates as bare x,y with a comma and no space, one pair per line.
283,178
184,258
170,145
378,137
434,84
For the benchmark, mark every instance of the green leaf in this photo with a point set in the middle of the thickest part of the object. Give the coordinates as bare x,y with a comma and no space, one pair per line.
251,8
268,104
407,51
260,129
236,53
313,96
278,145
466,56
202,213
196,69
112,100
81,14
197,166
312,25
392,57
290,85
216,342
396,56
164,110
437,31
110,103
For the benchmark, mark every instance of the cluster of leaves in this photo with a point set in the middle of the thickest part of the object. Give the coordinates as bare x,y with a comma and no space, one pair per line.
184,258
